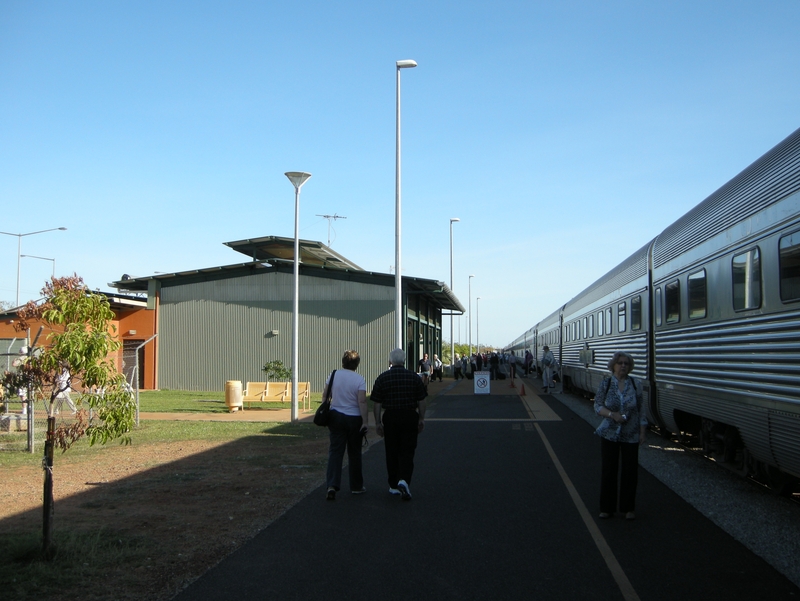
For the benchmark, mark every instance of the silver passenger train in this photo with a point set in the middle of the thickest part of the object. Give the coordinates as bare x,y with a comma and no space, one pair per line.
710,311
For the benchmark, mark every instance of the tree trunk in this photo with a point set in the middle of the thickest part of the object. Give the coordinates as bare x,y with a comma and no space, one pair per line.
47,465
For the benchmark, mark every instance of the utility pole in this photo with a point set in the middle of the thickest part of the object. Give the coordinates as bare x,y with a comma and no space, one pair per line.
331,218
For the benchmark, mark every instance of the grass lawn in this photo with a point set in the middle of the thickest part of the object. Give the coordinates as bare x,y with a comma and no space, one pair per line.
185,401
100,555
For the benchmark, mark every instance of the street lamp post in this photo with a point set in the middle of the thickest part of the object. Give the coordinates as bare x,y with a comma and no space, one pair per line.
452,340
398,281
298,178
469,315
19,248
478,324
43,259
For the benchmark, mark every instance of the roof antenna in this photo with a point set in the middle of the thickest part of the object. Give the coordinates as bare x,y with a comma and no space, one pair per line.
330,218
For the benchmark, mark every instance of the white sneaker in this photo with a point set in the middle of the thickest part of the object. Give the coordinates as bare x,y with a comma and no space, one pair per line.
404,490
393,491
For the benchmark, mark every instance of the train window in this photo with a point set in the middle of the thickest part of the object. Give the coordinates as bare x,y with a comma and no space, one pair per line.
585,327
672,301
600,323
746,276
790,267
608,316
697,294
591,326
566,333
621,314
658,306
636,313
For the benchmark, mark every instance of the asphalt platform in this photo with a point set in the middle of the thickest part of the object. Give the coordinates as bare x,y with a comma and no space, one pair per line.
505,504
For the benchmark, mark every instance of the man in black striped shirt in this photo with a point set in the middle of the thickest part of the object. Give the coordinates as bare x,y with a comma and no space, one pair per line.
400,394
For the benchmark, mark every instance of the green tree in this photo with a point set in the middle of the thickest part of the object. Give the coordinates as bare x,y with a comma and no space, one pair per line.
275,370
77,356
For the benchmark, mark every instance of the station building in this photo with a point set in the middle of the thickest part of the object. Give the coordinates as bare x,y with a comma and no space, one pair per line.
224,323
134,327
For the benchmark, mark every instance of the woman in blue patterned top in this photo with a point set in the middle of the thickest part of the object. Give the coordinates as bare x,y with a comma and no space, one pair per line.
619,401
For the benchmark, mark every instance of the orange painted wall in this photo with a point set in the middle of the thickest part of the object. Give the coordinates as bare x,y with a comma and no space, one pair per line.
140,320
143,323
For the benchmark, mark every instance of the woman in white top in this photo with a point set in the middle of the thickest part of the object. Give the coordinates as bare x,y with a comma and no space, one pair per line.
348,423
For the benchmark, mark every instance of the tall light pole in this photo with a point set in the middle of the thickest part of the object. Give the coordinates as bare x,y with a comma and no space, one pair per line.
452,340
478,324
19,248
298,178
398,278
43,259
469,315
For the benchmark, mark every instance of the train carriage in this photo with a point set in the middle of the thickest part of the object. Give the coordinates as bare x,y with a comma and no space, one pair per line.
610,315
727,320
710,311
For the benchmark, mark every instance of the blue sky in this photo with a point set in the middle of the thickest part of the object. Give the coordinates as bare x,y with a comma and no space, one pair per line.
564,135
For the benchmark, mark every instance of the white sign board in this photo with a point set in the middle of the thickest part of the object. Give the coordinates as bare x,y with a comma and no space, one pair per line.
482,382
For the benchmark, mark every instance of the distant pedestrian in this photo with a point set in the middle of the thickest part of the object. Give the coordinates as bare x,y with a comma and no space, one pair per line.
437,368
63,386
512,365
549,366
349,418
424,369
494,366
620,402
528,361
458,373
400,395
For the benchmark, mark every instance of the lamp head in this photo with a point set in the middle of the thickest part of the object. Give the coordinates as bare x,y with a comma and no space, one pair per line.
298,178
454,219
406,64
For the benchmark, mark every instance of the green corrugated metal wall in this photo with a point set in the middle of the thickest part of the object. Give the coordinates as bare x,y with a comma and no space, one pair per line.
211,332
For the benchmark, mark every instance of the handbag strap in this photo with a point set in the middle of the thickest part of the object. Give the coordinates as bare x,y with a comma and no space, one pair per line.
329,396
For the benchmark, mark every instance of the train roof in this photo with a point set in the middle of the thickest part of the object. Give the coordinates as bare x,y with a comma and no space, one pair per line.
771,178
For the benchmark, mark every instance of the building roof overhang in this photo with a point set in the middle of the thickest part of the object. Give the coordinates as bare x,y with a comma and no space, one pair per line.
275,248
436,292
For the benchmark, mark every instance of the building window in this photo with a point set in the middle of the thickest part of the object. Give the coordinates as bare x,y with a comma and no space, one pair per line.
621,314
790,267
672,301
746,276
636,313
697,294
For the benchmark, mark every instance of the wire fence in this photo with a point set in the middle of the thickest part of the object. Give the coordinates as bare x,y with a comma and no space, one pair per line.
24,431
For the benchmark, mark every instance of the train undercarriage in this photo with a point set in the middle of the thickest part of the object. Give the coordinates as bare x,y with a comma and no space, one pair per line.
722,443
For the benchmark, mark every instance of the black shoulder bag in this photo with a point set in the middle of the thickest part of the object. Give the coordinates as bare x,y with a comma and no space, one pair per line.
323,415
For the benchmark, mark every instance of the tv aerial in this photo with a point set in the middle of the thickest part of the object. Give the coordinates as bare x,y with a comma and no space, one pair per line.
331,218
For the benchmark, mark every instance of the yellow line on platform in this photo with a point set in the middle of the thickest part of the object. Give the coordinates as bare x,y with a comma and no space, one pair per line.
625,586
479,419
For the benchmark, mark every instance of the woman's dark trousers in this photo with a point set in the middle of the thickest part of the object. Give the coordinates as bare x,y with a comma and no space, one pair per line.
345,432
620,467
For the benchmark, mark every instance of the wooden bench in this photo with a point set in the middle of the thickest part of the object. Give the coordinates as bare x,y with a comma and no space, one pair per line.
303,392
276,391
265,391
